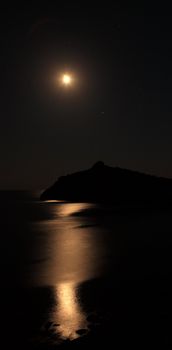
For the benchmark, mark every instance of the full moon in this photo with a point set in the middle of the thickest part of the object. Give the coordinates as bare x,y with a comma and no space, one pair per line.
66,79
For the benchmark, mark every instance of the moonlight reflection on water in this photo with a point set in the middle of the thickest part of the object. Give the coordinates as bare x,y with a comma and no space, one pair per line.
68,312
75,255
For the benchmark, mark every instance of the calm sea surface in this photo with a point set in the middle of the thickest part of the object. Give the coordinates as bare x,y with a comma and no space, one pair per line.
70,270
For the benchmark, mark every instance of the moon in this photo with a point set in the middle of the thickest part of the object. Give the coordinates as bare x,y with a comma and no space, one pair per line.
66,79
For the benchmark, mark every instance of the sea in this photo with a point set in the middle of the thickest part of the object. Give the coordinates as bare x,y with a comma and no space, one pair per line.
75,275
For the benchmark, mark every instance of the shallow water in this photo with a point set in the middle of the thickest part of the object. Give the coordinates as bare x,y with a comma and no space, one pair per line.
71,268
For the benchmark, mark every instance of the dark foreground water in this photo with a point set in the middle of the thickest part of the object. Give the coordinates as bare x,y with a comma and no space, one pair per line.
80,275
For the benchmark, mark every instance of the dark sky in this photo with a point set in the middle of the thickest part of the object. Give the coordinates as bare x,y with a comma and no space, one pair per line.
120,108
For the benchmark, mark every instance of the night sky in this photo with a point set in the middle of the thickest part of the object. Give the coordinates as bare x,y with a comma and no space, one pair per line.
119,109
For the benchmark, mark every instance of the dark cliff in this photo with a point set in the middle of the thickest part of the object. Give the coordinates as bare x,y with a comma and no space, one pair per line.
103,183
